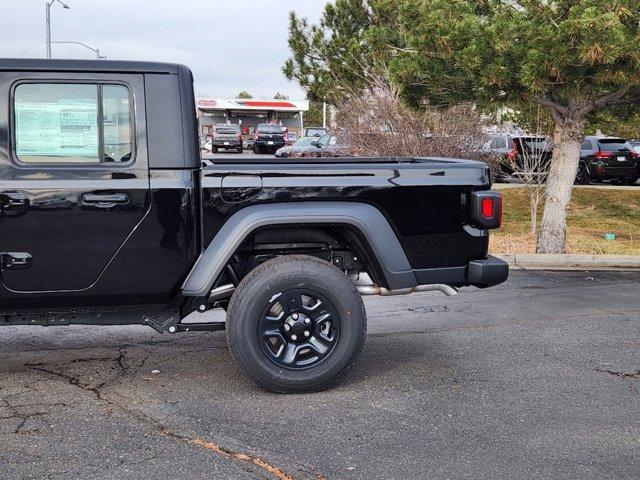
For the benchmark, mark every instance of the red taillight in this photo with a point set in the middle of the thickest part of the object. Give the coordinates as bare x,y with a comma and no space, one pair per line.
602,154
487,207
513,153
256,137
634,155
240,136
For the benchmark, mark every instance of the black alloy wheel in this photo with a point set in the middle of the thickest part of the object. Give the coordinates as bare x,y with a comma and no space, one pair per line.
299,328
296,323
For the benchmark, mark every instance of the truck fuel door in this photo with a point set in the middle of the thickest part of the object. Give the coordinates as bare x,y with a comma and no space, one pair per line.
240,188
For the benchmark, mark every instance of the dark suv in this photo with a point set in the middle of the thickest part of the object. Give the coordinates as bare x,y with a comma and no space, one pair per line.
227,137
607,158
511,152
268,138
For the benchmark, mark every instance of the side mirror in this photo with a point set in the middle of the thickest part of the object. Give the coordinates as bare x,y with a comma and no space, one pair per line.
314,143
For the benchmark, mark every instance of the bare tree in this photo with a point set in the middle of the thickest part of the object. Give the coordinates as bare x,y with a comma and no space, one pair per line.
378,124
532,169
530,165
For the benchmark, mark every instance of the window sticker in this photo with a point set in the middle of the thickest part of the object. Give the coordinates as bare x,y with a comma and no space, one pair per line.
60,129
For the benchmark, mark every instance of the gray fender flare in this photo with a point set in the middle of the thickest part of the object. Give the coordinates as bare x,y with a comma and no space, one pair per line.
361,216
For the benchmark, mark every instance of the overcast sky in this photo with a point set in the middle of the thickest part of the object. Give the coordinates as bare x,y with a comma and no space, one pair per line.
230,45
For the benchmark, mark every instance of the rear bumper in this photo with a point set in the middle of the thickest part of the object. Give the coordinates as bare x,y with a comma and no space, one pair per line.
265,144
487,272
483,273
603,171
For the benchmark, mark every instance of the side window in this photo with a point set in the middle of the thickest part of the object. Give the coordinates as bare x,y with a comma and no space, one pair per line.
499,142
57,123
586,145
333,141
116,121
324,141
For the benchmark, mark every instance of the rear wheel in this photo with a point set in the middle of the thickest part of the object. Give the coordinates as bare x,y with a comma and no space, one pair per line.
256,149
296,324
214,149
631,180
239,149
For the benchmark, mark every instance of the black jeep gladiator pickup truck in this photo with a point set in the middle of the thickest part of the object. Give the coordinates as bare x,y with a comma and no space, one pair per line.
108,217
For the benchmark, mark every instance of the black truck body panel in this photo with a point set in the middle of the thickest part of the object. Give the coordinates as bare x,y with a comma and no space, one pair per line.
102,257
423,199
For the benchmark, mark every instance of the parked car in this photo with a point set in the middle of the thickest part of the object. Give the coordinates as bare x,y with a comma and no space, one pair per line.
226,137
268,138
512,151
296,148
328,145
607,158
153,236
315,131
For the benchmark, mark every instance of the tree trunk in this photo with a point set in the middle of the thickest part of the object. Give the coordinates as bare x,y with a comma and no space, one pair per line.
567,137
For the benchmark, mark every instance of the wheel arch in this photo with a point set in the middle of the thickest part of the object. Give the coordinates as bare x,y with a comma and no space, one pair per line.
369,227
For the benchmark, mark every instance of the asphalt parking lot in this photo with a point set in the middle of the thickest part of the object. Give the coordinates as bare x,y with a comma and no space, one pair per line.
537,378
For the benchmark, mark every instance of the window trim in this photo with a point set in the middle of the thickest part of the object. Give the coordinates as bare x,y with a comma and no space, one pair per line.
100,164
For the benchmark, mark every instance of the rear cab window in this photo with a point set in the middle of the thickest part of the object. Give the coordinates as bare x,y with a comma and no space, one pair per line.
73,123
269,129
532,144
498,142
613,144
227,129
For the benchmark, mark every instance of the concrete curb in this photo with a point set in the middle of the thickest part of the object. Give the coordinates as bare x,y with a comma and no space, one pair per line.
570,262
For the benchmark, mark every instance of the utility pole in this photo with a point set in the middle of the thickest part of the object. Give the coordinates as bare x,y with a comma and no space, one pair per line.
48,22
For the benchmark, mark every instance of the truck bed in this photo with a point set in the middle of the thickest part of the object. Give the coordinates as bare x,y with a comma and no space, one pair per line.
423,198
221,159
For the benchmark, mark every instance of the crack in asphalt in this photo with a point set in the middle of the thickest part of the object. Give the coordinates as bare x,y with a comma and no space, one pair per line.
99,392
150,343
623,376
619,374
227,453
17,411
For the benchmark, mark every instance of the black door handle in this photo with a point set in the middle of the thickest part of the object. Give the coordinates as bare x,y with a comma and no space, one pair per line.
105,200
16,260
14,199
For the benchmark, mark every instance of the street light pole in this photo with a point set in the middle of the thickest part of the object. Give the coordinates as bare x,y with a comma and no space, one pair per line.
95,50
48,22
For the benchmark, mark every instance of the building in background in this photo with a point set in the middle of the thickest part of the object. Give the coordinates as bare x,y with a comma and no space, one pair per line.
249,113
